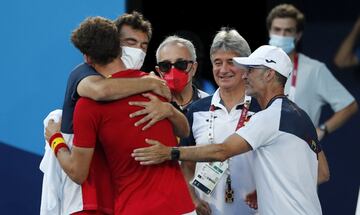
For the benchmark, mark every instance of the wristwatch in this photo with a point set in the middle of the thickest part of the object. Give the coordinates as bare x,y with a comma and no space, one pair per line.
323,128
175,153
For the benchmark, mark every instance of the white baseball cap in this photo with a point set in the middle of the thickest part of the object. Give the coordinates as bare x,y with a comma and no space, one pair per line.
269,56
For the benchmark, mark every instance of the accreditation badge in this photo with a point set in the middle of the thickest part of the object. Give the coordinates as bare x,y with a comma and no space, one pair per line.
208,176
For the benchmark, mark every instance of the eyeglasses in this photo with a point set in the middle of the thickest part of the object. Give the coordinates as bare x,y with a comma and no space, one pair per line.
182,65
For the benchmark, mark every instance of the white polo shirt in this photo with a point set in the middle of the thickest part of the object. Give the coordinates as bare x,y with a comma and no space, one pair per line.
315,87
285,166
242,181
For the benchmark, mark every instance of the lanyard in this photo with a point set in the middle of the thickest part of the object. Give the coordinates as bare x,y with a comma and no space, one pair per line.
243,116
294,77
229,192
295,71
240,123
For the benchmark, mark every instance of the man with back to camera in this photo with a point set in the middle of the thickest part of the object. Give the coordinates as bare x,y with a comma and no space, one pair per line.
135,33
161,189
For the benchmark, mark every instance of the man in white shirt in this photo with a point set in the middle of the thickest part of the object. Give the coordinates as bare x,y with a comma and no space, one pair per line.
311,85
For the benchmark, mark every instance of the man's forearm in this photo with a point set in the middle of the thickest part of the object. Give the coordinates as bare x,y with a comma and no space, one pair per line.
76,163
101,89
207,153
233,145
158,153
340,117
180,124
66,163
118,88
345,56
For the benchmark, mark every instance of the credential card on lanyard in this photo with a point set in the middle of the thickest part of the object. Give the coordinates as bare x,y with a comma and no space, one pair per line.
209,176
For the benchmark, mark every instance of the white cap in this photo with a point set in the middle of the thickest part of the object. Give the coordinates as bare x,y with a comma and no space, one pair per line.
269,56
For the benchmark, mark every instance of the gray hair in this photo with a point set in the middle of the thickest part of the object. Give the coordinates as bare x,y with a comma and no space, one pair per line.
230,40
175,39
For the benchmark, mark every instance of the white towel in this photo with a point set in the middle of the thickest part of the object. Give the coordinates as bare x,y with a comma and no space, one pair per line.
60,195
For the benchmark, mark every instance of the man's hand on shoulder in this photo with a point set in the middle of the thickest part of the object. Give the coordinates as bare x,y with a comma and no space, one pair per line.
154,154
153,110
158,86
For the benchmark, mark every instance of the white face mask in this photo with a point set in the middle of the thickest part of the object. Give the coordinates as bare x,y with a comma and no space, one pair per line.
133,58
286,43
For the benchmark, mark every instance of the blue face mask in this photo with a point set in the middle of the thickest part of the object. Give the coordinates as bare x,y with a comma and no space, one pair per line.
286,43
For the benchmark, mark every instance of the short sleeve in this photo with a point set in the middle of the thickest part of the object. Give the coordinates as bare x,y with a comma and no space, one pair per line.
260,129
86,121
332,91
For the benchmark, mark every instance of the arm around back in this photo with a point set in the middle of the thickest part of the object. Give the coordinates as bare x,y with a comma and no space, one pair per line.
107,89
158,153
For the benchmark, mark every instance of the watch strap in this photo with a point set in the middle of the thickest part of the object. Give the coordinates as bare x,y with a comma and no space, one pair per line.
175,153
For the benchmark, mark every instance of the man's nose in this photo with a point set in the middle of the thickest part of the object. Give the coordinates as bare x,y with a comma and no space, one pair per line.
245,75
282,33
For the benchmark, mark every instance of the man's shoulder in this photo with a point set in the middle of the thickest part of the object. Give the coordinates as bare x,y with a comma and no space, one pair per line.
129,73
306,60
202,104
82,67
312,66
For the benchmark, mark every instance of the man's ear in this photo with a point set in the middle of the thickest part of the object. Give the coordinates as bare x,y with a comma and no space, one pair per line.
194,69
87,59
270,74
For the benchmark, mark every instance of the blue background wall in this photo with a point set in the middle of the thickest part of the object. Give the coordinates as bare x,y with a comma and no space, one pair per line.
36,58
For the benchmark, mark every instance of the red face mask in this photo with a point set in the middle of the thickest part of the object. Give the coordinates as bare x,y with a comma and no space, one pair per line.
176,79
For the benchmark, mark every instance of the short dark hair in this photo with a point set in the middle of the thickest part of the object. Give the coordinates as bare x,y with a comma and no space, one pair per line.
280,78
286,11
97,38
136,21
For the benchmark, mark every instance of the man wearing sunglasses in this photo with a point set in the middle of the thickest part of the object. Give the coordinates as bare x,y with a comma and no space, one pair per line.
106,127
176,63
